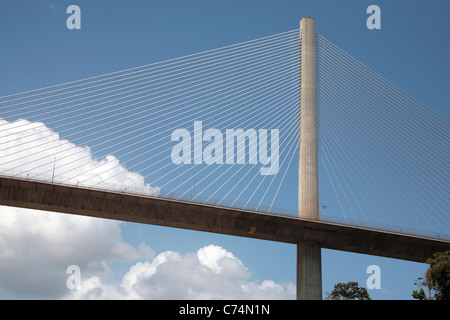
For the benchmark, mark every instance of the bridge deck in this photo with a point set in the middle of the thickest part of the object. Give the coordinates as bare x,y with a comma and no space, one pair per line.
171,213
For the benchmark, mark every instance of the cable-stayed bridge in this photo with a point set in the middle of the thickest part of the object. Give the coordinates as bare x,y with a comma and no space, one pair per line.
210,142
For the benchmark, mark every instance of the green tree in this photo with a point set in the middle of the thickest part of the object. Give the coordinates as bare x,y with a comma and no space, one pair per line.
348,291
420,294
438,275
437,279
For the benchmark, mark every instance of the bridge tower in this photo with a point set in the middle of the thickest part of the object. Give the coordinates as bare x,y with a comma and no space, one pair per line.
309,261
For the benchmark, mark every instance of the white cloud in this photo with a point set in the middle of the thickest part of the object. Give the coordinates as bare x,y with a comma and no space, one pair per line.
211,256
37,247
146,251
30,149
171,275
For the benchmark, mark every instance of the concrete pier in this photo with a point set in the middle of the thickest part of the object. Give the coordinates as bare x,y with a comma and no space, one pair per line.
309,270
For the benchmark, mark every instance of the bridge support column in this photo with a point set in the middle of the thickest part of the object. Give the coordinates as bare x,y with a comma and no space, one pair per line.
309,270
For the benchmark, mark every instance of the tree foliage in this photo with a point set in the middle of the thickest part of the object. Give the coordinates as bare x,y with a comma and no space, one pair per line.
438,275
437,278
419,294
348,291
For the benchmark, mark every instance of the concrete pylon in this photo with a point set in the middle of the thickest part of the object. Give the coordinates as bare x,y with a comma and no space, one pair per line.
309,261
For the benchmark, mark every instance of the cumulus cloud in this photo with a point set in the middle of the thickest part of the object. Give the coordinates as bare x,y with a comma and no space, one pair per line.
32,150
37,247
210,273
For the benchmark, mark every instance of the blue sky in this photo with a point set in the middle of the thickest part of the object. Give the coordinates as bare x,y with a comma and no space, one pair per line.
411,50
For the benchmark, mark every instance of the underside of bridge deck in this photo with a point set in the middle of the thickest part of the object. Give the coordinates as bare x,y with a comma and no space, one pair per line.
171,213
